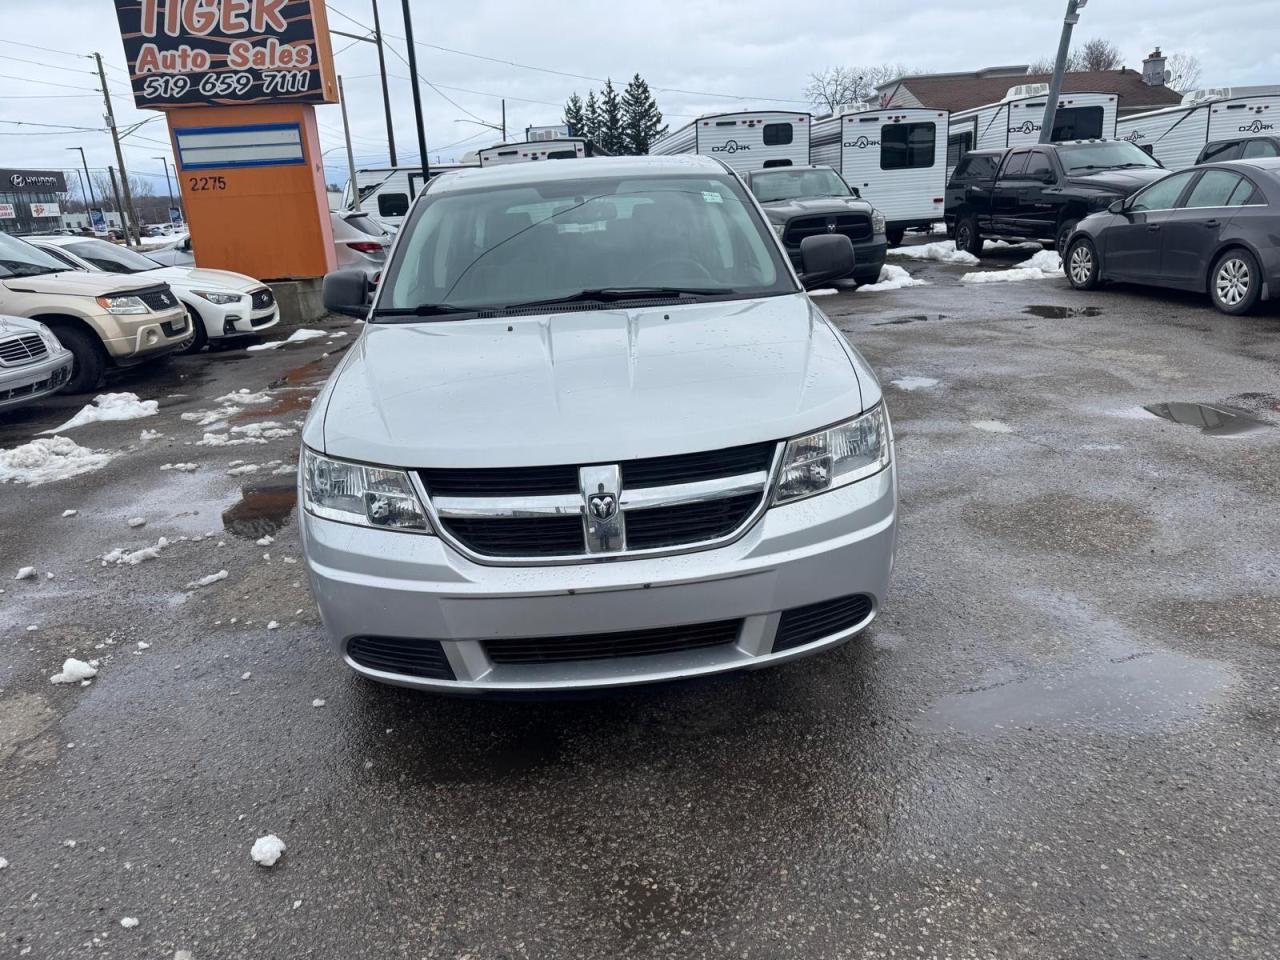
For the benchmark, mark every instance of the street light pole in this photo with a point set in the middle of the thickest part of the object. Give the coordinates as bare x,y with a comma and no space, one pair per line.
167,182
386,95
351,157
93,202
417,93
1060,66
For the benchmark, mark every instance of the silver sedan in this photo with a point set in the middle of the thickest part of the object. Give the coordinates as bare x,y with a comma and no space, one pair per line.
33,364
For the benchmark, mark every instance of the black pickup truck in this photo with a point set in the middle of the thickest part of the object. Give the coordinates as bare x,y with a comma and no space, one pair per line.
1040,192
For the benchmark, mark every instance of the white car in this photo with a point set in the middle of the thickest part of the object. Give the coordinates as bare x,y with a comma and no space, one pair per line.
221,304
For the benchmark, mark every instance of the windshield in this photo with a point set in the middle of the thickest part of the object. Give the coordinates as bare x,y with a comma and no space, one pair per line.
795,184
111,258
20,259
1104,155
521,244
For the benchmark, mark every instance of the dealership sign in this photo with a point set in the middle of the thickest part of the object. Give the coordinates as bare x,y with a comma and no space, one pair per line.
32,181
226,52
45,210
7,211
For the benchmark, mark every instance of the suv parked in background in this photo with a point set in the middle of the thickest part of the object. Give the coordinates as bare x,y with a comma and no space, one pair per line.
102,318
812,201
594,433
1245,148
1041,192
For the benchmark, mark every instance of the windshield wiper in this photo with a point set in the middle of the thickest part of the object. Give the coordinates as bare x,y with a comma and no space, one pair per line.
424,310
1131,163
614,294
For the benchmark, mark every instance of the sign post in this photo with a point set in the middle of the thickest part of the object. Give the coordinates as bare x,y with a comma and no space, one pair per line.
239,81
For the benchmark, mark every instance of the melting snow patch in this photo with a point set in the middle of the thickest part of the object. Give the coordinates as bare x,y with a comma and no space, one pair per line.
1045,265
73,671
26,573
267,429
111,406
181,467
266,850
296,337
137,522
223,440
3,863
914,383
266,541
69,513
992,426
943,251
206,581
273,625
823,293
242,470
48,459
128,922
892,277
150,435
125,558
317,702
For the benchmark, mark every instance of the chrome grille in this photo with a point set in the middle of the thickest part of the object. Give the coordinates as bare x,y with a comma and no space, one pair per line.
262,299
596,511
22,349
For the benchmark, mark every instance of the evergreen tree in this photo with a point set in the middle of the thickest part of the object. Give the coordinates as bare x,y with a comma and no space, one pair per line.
574,116
591,118
612,138
641,119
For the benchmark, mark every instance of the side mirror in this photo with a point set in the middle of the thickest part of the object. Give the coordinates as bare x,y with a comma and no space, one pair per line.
347,292
825,258
1117,206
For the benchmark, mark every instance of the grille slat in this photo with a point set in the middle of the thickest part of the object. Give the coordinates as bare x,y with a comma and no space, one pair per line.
520,537
414,658
688,523
691,467
24,348
607,646
801,625
502,481
160,299
262,299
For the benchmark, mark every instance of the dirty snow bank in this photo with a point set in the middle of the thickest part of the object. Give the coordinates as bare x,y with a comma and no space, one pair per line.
73,671
111,406
943,251
181,467
47,459
892,277
1044,265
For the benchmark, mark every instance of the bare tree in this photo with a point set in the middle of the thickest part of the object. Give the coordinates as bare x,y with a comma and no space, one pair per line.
1095,54
1184,71
835,87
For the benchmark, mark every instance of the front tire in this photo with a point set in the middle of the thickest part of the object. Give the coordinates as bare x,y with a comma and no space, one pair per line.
967,237
199,336
1064,237
89,358
895,236
1235,282
1081,264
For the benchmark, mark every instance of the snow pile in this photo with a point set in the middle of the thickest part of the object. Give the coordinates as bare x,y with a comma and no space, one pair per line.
126,558
26,573
266,850
146,435
266,429
266,541
242,470
181,467
992,426
828,291
1044,265
243,398
48,459
69,513
74,671
231,404
136,522
298,336
892,277
223,440
207,581
335,336
128,922
273,625
111,406
317,702
3,863
944,252
914,383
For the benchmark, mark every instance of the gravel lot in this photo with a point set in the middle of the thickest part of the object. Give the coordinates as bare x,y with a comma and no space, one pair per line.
1059,740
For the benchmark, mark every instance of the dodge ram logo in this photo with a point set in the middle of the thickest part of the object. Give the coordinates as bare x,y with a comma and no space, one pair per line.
603,506
731,146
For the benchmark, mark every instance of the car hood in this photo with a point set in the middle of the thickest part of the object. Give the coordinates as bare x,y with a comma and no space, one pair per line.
78,283
11,325
198,278
780,210
589,387
1121,182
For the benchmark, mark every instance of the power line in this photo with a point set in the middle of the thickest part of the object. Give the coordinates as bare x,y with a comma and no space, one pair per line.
33,46
45,83
440,92
51,66
53,126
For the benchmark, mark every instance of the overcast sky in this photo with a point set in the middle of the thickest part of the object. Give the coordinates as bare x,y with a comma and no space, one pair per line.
754,53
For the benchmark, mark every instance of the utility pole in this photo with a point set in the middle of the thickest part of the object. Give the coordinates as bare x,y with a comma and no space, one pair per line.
115,139
351,157
386,95
504,119
1060,66
124,228
417,93
167,182
93,202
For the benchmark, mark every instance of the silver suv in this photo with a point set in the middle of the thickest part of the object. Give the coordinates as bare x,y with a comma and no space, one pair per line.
594,433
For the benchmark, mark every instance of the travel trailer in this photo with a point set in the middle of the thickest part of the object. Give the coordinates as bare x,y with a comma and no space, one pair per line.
750,140
561,148
1017,120
386,193
896,158
1177,136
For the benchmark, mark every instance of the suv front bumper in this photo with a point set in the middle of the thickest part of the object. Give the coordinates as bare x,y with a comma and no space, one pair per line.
374,583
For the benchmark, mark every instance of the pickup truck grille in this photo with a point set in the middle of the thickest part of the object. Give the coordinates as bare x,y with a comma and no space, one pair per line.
26,348
855,226
572,513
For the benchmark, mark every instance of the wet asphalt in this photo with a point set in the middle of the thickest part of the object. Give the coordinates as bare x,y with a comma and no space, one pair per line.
1058,741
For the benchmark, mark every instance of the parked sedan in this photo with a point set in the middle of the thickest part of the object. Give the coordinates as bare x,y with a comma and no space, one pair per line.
1210,228
33,364
222,304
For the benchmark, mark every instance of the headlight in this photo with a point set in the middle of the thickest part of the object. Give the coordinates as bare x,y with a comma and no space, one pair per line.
366,496
221,298
831,458
51,340
877,221
122,306
779,228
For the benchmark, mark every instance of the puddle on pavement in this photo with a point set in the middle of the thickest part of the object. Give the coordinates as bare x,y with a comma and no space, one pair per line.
262,510
914,318
1138,692
1217,420
1048,312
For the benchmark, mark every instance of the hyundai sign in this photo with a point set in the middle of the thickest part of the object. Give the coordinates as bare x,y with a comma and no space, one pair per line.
226,52
32,181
